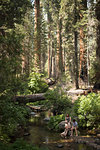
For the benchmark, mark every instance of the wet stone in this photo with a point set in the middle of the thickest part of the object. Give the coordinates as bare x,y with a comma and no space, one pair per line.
46,119
60,145
79,141
87,142
95,145
98,147
33,113
26,134
97,141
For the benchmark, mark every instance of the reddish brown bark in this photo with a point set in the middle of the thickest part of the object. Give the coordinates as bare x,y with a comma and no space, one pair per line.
82,50
37,40
98,30
49,39
83,59
59,55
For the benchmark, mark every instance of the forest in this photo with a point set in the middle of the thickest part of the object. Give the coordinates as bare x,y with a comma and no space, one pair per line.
48,47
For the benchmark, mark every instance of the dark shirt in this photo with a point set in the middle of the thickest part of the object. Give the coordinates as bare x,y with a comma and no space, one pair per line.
68,119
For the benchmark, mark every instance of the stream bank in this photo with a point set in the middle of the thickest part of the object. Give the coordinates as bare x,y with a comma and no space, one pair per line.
50,140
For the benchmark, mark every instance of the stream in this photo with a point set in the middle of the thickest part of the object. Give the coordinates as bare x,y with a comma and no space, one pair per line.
49,140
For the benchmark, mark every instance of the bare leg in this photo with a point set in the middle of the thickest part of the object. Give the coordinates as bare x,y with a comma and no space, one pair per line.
76,131
63,134
72,131
66,132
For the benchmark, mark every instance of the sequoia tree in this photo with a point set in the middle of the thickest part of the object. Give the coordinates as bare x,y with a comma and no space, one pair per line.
83,52
98,29
97,63
37,36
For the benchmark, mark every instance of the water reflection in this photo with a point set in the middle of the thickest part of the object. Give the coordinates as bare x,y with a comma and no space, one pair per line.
44,138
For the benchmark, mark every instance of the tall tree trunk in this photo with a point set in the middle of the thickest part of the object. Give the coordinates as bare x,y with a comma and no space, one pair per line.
76,48
26,57
83,60
60,48
49,54
97,68
49,60
49,44
59,58
76,59
98,30
53,59
37,36
82,50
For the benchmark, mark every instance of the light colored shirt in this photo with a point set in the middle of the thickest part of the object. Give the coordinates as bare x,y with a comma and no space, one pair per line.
75,124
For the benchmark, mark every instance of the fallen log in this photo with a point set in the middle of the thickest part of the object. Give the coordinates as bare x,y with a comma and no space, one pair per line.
29,98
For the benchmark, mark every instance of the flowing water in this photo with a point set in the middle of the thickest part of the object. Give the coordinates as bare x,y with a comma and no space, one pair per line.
50,140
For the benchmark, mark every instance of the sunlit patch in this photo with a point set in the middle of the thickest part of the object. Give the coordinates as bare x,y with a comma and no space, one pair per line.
59,141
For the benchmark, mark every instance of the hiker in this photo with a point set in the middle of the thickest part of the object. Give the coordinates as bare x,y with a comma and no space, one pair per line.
74,126
67,128
67,118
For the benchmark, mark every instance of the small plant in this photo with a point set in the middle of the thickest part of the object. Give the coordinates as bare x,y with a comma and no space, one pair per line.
36,83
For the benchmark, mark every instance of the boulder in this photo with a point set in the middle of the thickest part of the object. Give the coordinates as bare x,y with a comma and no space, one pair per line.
46,119
26,134
33,113
62,124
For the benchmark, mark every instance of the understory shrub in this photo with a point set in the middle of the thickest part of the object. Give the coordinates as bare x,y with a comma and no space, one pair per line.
11,116
87,109
36,83
58,102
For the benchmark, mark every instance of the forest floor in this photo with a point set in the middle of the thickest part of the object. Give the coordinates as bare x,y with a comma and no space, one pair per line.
70,89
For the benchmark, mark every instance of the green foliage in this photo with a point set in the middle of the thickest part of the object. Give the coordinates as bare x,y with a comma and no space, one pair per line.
95,72
43,103
16,11
19,144
11,50
88,110
10,62
36,83
12,34
58,101
11,116
54,122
